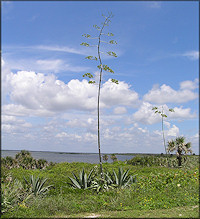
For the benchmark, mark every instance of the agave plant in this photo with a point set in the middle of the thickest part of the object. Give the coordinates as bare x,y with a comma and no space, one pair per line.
113,180
83,181
36,185
102,184
122,179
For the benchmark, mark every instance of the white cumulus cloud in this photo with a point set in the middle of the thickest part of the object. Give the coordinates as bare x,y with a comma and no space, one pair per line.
166,94
174,131
120,110
146,115
69,135
11,124
181,113
38,93
114,94
169,133
191,85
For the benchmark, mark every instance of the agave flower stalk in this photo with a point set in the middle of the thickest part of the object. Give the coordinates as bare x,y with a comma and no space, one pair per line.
102,67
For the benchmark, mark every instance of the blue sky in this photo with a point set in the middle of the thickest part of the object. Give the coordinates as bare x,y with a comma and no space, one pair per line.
46,103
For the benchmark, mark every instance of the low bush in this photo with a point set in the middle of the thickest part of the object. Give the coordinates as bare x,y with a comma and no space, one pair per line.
25,160
16,193
12,194
188,161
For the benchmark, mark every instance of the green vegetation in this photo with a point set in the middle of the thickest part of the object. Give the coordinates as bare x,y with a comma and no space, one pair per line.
163,161
157,191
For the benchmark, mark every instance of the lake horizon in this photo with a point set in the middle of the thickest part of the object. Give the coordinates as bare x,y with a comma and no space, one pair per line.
58,157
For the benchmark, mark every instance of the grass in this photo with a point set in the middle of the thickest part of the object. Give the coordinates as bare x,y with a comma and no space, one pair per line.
159,192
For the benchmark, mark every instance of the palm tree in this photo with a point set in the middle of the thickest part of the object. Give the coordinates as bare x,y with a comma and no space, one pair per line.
180,147
113,157
22,154
105,157
25,159
8,161
41,163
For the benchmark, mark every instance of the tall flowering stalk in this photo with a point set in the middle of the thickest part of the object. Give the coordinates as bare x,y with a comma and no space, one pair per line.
102,67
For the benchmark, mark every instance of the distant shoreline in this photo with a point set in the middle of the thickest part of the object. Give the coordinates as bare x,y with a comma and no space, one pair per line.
60,152
70,157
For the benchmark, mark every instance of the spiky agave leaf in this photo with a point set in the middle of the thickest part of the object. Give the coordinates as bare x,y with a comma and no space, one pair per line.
82,178
120,173
132,179
74,183
116,178
125,176
99,184
40,186
42,190
108,178
83,182
36,183
76,178
90,175
122,179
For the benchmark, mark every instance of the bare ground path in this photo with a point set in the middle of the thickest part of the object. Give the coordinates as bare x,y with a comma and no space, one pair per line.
178,212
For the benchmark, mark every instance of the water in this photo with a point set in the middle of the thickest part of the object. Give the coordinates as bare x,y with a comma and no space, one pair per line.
59,157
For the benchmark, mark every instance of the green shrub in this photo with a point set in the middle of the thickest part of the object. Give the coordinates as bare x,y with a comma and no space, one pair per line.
12,194
113,157
26,161
105,157
188,161
8,162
